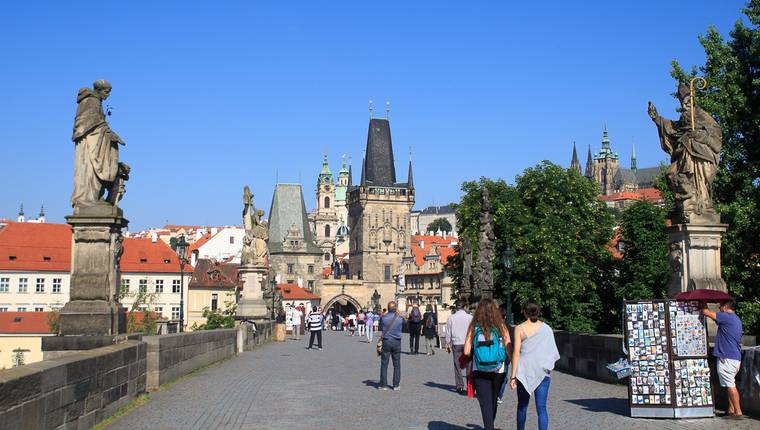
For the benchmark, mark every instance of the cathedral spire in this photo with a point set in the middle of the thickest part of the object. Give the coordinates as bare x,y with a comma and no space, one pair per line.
589,164
379,168
575,164
633,156
350,172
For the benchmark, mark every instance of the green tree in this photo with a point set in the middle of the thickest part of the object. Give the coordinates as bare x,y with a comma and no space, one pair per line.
561,234
559,230
732,71
644,267
440,224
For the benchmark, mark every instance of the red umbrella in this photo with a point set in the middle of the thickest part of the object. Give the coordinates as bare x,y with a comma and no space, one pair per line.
711,296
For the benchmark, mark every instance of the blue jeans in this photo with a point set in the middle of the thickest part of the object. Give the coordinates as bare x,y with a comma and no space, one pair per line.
523,398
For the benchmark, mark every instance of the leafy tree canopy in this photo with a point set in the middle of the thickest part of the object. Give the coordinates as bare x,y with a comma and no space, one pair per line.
440,224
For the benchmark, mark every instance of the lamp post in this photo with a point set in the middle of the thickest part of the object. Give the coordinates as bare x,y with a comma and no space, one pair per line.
507,258
274,291
181,247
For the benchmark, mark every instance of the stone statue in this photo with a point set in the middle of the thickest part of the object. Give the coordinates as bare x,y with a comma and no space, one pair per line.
465,287
693,142
96,167
486,239
256,232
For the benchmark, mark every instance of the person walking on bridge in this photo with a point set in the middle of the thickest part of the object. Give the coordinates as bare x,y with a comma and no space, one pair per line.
391,325
316,322
456,330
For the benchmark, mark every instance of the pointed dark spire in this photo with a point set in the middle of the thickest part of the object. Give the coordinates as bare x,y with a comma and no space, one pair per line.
364,166
410,179
379,168
575,164
42,210
589,164
350,173
21,210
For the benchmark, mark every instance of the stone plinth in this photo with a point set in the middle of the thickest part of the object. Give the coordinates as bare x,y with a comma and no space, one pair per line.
252,304
94,308
694,257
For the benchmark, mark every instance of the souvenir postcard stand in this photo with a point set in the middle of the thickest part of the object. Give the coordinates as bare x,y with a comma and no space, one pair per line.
667,352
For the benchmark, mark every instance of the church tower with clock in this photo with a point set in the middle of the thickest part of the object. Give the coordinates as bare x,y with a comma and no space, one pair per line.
325,216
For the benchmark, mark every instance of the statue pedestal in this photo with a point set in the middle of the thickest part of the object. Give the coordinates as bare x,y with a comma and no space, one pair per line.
94,309
694,257
252,304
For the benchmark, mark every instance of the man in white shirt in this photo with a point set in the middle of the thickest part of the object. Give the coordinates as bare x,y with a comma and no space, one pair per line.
296,317
456,331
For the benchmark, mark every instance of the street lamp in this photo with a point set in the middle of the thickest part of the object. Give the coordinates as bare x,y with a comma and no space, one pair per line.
274,291
507,258
181,247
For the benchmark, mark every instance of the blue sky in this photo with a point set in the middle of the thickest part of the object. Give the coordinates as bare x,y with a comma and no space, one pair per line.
210,96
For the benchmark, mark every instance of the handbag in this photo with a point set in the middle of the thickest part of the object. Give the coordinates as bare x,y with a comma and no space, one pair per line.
379,345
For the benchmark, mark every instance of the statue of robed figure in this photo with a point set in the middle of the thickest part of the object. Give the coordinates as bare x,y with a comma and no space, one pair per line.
256,232
693,142
96,167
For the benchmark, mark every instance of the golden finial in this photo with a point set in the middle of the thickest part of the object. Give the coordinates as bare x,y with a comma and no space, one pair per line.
370,109
387,109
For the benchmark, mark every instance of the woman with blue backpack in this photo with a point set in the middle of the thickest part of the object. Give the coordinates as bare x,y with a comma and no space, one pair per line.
487,343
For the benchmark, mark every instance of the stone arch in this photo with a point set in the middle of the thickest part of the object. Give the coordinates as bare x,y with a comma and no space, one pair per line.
345,297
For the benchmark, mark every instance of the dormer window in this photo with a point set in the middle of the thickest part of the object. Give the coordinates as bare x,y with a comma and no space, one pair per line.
167,261
46,258
12,257
143,260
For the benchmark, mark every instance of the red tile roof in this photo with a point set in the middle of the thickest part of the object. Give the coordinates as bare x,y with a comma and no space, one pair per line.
445,247
38,247
212,274
294,292
199,242
24,323
47,247
651,194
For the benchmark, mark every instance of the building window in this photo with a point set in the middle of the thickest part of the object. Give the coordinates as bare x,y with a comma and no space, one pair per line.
176,285
311,285
142,286
291,281
159,286
124,287
39,286
327,257
22,282
310,268
3,309
21,309
57,285
214,301
39,309
159,310
327,231
387,273
327,203
175,312
4,284
232,240
290,268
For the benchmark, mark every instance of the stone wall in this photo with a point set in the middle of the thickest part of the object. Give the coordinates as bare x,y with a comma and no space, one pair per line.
75,391
587,355
175,355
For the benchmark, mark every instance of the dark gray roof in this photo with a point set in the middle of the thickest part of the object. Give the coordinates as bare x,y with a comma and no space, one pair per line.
438,210
288,209
646,176
624,176
379,168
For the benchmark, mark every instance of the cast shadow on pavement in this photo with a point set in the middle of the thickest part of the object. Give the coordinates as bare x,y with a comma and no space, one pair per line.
370,383
440,425
615,405
446,387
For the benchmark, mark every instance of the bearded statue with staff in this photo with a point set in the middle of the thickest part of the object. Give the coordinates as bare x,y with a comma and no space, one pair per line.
256,232
693,142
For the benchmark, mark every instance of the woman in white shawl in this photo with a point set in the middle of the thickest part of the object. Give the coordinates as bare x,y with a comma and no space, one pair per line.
532,362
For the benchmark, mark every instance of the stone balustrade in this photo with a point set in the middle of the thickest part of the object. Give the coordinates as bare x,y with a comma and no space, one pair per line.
80,389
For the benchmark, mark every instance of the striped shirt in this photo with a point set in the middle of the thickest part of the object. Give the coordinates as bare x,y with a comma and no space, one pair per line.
314,321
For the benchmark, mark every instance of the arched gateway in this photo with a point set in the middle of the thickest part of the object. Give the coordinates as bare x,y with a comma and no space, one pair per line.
342,302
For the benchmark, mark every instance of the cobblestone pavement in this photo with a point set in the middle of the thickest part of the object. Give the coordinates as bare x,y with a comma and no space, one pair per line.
285,386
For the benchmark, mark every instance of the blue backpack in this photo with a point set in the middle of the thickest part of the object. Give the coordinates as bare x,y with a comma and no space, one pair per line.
490,354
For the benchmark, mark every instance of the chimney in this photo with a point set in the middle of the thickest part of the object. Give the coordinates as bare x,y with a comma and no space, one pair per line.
153,237
422,244
214,230
194,258
445,234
